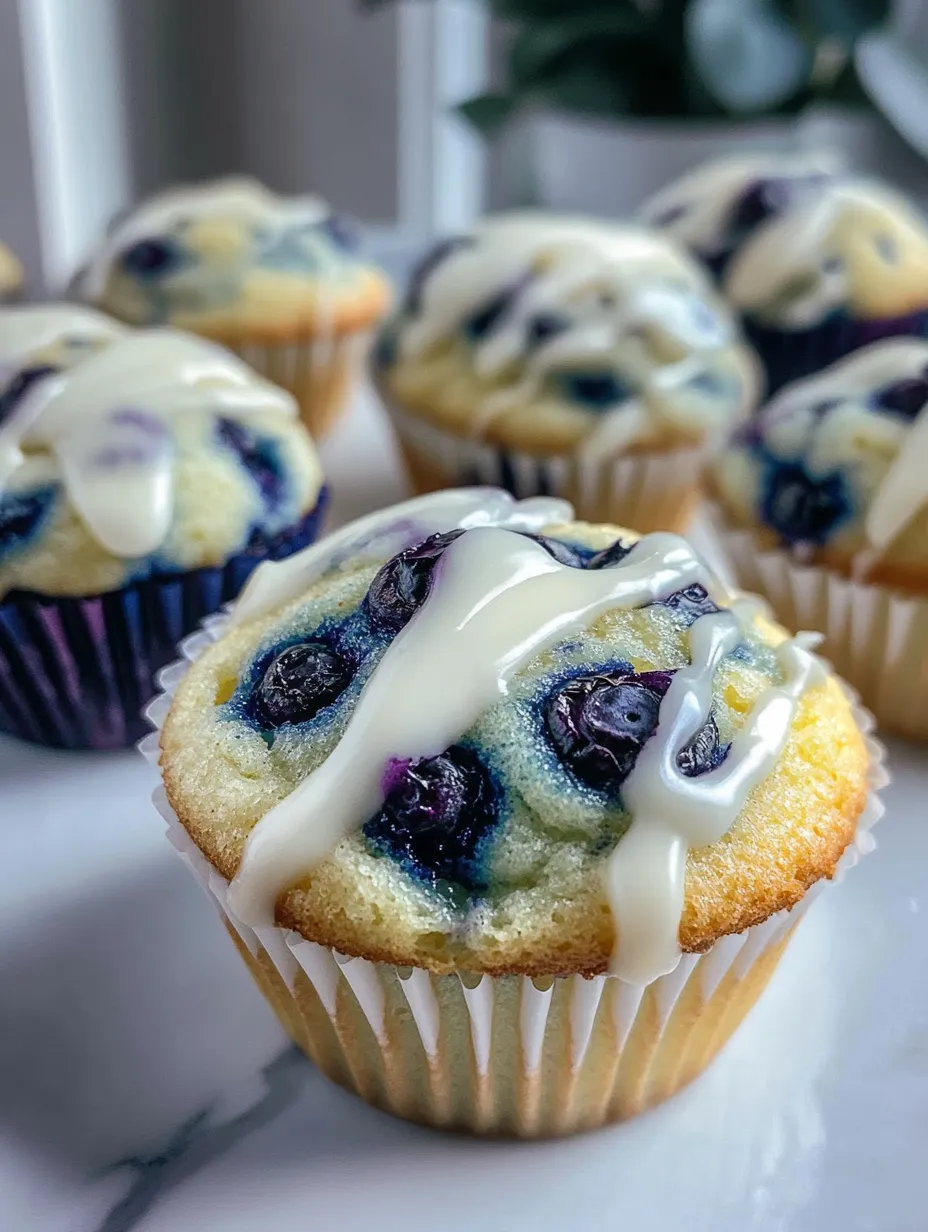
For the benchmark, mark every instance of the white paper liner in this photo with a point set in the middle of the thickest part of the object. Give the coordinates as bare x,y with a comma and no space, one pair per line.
875,637
320,370
646,491
540,1057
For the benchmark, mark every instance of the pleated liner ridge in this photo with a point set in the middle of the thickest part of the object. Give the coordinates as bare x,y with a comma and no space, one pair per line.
646,491
508,1055
75,673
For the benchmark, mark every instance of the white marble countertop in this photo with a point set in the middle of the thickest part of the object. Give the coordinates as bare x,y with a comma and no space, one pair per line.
145,1085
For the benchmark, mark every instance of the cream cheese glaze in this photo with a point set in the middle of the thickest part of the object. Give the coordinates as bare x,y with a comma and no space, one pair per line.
497,601
107,424
605,284
830,421
26,330
236,197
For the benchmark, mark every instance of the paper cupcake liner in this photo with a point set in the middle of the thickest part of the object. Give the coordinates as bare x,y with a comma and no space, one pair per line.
502,1055
788,355
646,491
76,672
320,370
875,637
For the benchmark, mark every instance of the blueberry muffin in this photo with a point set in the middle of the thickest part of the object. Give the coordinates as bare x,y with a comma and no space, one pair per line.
825,498
817,263
40,339
279,280
11,275
510,816
138,489
557,355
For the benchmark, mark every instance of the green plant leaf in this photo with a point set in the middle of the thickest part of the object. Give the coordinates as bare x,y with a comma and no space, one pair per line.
488,112
537,49
844,20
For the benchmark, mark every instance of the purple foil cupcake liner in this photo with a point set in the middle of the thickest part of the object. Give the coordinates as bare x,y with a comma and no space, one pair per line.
76,672
788,355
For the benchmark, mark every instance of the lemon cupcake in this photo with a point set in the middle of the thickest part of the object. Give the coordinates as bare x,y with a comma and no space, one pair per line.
511,817
11,275
818,264
278,280
138,489
561,356
824,503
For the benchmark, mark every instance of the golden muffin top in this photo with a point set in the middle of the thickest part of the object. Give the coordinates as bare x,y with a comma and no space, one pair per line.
555,334
230,256
128,454
793,240
472,734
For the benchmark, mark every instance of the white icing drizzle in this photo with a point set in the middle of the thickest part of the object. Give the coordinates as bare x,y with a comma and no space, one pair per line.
608,282
498,601
106,423
237,197
671,813
702,199
275,583
852,430
802,242
34,327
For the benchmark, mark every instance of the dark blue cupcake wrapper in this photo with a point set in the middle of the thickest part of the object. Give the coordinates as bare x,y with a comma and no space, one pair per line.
76,672
788,355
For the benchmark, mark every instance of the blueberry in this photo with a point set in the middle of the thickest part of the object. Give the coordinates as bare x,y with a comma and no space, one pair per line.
22,515
152,258
429,263
259,456
802,509
563,553
402,584
905,397
671,215
596,390
545,326
386,348
613,555
690,603
703,753
487,318
20,385
764,199
298,683
599,723
341,232
436,814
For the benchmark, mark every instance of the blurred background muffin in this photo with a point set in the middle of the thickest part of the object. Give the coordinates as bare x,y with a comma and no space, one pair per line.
824,498
816,263
137,492
11,275
556,355
278,280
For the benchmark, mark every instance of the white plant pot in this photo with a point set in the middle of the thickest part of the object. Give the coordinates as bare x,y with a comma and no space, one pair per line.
609,167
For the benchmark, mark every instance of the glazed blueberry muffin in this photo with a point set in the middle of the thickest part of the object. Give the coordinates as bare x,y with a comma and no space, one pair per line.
818,264
138,489
11,275
279,280
511,816
558,355
41,339
830,484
